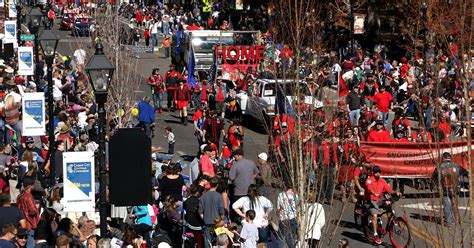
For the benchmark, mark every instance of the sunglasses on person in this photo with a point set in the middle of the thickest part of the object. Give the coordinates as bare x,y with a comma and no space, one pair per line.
21,236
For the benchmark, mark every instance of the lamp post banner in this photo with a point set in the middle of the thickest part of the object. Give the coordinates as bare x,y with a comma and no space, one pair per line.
34,119
25,61
10,32
79,182
12,11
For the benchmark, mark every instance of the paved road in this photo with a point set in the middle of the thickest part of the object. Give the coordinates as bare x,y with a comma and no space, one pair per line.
422,210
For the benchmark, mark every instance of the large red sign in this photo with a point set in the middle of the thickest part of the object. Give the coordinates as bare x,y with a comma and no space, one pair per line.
408,160
241,54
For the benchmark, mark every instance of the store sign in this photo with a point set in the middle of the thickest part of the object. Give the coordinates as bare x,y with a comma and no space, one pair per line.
27,37
359,24
241,54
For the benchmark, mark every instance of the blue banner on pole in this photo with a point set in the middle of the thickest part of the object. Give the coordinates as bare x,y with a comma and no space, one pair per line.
191,65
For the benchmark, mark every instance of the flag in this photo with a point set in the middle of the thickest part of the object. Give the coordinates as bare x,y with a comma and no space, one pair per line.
342,87
178,36
211,77
191,65
231,25
282,103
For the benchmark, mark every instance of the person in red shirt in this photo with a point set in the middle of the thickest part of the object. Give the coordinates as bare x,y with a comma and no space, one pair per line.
205,163
399,137
171,78
404,68
369,88
220,90
421,136
155,81
281,142
182,97
361,173
383,100
193,26
379,134
445,126
283,118
139,18
27,205
147,36
285,54
376,186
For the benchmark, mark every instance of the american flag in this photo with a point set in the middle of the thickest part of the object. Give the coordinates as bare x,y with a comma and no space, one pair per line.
211,77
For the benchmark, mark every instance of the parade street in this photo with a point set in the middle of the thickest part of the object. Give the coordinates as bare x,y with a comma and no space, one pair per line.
417,205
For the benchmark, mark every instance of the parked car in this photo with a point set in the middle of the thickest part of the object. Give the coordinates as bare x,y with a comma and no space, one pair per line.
259,102
66,21
81,26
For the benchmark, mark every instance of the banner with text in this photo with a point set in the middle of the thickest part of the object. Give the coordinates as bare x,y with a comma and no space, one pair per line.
10,32
25,61
79,182
413,159
12,11
34,120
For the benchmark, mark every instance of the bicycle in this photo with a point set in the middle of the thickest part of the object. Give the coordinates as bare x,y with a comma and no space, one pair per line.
397,226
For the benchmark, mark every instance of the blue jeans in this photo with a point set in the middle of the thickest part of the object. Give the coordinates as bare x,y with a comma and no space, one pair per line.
160,157
354,116
154,40
383,116
30,242
448,215
171,148
207,237
147,128
288,229
263,234
166,28
158,100
428,118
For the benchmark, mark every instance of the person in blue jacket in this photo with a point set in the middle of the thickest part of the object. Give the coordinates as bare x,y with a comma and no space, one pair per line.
146,116
143,224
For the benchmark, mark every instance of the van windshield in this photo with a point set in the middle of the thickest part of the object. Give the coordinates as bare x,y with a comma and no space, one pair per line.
207,43
288,89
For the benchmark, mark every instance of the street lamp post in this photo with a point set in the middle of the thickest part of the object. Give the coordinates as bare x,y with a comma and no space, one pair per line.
49,42
18,20
100,71
33,26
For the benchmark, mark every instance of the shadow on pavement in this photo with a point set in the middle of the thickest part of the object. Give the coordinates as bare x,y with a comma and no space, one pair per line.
253,124
432,219
358,236
420,195
343,223
188,158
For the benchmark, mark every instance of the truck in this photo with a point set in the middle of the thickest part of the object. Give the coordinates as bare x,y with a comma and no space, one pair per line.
259,102
202,43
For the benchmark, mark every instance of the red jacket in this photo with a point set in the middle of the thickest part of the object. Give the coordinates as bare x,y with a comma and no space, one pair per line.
182,94
27,205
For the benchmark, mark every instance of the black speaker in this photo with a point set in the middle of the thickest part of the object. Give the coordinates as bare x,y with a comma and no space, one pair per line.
130,168
8,51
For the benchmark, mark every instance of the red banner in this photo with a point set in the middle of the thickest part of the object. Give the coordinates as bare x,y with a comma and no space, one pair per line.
231,72
408,160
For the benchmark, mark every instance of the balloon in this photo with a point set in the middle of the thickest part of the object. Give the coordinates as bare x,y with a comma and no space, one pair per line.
135,112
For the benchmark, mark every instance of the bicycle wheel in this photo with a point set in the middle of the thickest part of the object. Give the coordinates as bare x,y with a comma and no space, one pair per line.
400,234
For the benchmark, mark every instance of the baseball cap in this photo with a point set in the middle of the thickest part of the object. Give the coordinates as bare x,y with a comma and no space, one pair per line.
203,146
376,169
29,139
263,156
